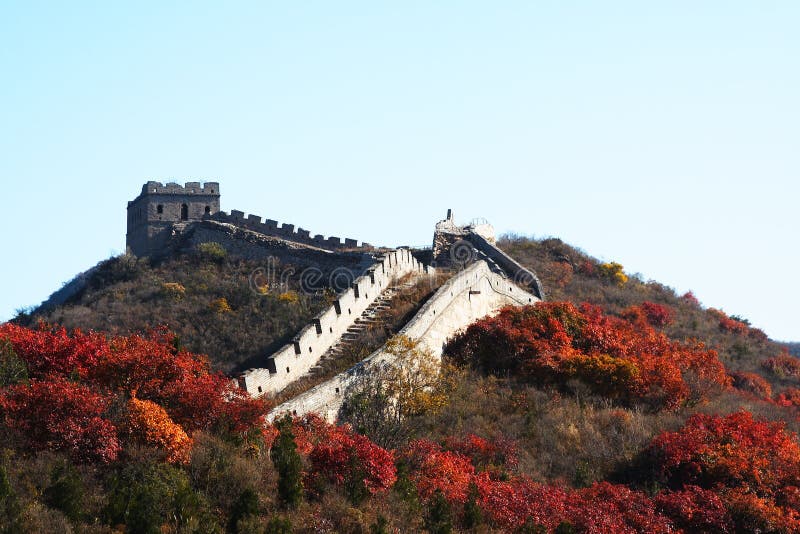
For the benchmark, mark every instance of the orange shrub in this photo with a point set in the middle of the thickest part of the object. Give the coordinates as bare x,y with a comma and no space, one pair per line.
149,423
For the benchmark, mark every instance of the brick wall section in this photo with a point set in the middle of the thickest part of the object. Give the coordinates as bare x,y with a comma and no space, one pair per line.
285,231
298,357
471,294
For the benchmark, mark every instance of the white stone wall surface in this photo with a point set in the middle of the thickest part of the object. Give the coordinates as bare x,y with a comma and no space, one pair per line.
469,295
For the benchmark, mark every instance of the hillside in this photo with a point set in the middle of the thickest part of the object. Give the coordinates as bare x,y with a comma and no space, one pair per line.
614,406
227,307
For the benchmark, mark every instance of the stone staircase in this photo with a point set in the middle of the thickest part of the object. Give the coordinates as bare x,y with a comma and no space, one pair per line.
373,316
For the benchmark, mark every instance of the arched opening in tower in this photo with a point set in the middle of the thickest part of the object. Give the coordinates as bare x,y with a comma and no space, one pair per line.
184,212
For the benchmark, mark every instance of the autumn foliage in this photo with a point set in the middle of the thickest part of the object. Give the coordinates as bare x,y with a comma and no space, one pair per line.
76,378
149,423
623,359
784,366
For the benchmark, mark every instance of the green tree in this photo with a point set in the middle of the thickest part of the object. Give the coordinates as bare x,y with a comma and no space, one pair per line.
10,510
246,505
380,526
439,518
473,515
146,496
66,491
288,463
354,484
12,368
277,525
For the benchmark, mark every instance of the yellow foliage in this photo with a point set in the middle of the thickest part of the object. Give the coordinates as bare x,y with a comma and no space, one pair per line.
221,305
289,296
174,290
614,271
149,423
415,379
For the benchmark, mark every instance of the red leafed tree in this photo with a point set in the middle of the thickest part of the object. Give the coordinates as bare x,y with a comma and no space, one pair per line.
606,507
695,509
783,365
625,360
343,455
498,455
734,451
753,384
650,313
53,351
433,468
790,397
56,414
510,504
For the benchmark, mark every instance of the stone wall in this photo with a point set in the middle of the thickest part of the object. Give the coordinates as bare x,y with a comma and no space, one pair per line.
285,231
298,357
521,275
473,293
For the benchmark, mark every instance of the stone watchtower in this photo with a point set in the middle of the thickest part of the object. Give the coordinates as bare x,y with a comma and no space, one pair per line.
152,214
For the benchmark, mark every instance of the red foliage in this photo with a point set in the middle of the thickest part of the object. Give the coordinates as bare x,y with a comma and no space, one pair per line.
339,454
85,372
695,509
608,507
751,513
497,456
753,384
433,468
783,365
343,454
789,398
734,451
509,504
49,351
727,324
653,314
691,299
56,414
554,342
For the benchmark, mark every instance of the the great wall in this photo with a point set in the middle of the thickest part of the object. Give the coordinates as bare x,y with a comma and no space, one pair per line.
484,279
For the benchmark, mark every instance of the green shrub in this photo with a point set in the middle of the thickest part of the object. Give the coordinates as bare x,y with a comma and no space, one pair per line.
288,463
12,368
66,491
211,252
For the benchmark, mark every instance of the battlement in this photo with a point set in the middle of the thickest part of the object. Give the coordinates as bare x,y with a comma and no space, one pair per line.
173,188
286,231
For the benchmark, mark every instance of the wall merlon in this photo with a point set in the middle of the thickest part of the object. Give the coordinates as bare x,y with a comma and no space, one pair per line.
172,188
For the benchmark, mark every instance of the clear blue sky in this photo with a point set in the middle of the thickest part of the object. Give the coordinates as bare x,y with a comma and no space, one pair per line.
663,135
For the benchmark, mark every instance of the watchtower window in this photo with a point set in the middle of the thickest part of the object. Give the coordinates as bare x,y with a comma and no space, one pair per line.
160,209
184,212
208,210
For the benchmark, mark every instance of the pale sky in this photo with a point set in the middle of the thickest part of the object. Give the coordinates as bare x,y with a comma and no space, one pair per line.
663,135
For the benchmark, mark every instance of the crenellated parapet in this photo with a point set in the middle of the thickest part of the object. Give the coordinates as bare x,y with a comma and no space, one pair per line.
286,231
304,351
472,293
172,188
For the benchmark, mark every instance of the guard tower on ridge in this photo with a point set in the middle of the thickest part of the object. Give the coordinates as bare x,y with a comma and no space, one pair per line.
152,214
